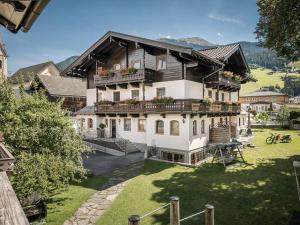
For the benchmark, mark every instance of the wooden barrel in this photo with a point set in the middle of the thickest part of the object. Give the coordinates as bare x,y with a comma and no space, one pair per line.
219,135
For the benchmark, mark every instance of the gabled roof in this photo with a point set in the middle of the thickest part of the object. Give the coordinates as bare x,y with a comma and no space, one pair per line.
223,52
138,40
63,86
263,93
27,73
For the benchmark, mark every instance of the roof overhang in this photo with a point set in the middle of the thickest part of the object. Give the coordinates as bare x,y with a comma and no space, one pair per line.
139,41
15,15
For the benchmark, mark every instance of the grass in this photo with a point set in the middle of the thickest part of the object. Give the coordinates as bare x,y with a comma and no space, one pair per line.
261,192
263,79
63,205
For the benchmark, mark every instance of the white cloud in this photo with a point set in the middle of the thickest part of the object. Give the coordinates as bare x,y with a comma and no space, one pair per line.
220,35
222,18
168,36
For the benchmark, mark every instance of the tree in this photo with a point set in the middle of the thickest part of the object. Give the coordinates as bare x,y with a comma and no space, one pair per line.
283,115
262,118
47,150
278,27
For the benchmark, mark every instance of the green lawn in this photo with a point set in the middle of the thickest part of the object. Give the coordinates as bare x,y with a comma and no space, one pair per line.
65,204
263,79
261,192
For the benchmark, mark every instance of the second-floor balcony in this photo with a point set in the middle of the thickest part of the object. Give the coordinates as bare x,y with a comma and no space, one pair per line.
186,106
225,81
124,77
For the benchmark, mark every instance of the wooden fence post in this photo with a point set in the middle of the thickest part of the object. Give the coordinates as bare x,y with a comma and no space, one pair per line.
209,215
134,220
174,211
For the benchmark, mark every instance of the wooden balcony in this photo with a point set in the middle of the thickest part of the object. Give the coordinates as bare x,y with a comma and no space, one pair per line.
142,75
187,106
224,83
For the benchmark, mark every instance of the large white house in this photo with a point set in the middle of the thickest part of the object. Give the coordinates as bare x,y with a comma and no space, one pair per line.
171,99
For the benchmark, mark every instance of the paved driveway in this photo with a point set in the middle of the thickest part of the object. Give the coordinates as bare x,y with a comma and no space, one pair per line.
101,163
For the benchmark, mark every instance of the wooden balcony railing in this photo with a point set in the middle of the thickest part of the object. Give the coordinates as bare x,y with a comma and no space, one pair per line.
224,83
177,106
6,158
141,75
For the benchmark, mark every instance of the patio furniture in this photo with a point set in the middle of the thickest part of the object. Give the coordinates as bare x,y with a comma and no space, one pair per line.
226,152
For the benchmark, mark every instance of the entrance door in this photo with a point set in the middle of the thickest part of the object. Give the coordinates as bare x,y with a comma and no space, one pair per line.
113,128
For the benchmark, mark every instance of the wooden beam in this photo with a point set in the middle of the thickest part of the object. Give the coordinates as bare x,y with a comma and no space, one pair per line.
11,211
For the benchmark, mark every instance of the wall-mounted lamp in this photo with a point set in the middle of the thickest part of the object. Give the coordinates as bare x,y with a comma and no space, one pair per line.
183,120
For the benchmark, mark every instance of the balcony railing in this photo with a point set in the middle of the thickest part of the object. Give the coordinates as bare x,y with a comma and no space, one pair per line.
177,106
224,83
6,158
141,75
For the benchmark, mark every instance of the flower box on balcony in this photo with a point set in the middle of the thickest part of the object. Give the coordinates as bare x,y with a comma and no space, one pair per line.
164,100
105,103
128,71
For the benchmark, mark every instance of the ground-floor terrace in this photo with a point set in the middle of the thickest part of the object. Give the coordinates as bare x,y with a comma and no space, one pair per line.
182,138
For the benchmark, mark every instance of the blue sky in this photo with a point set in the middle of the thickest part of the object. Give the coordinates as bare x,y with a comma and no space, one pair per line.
68,27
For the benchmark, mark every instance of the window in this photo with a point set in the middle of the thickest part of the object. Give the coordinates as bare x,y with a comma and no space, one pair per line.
116,96
159,129
243,121
161,62
135,94
212,122
210,93
217,96
141,125
203,126
195,127
239,121
117,67
90,123
221,120
223,97
127,124
174,128
136,64
161,92
226,120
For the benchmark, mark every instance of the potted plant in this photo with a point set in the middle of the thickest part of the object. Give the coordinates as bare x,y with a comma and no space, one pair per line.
225,106
101,131
105,103
228,74
164,100
132,102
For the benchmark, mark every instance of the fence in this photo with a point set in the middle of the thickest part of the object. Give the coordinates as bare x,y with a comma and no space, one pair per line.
175,218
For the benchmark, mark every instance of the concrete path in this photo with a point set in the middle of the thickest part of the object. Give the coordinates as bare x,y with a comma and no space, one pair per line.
91,211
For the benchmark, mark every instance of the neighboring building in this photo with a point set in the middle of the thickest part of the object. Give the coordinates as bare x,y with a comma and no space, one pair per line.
295,100
3,61
265,96
157,95
27,74
264,106
72,89
47,76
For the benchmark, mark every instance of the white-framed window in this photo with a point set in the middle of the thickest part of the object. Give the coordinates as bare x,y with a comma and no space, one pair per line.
174,128
212,122
161,62
117,67
202,126
141,125
210,93
136,64
159,127
195,130
116,96
127,124
135,94
161,92
223,97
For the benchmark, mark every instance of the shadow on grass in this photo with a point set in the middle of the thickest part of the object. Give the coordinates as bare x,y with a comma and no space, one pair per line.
264,193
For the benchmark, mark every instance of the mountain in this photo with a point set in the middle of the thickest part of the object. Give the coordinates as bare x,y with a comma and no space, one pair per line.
65,63
255,55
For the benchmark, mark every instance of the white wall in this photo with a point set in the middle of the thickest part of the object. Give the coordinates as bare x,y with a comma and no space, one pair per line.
90,96
85,130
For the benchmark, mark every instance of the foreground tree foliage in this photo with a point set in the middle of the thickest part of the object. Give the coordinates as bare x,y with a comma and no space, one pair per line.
279,27
40,135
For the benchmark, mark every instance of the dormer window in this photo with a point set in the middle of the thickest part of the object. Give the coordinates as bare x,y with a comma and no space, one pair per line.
161,62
